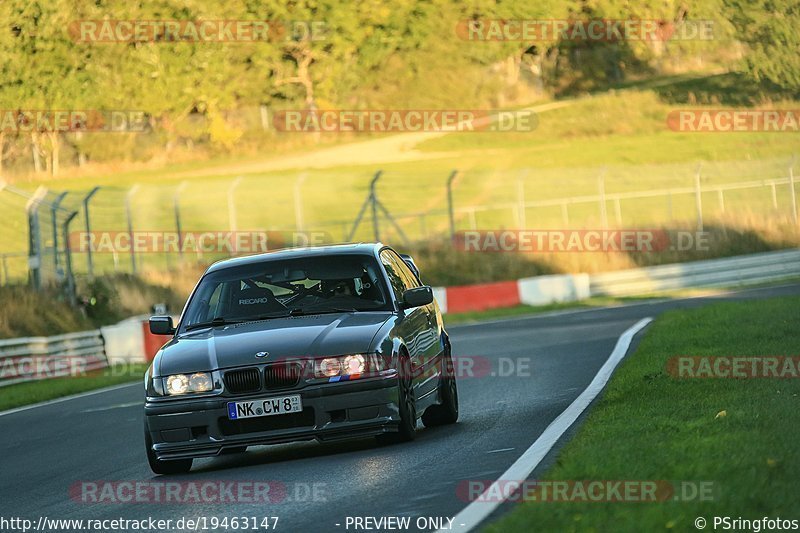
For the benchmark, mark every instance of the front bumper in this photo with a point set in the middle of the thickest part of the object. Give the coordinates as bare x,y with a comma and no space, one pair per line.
200,427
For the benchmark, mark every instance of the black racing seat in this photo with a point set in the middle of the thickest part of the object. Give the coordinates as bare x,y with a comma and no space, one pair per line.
251,302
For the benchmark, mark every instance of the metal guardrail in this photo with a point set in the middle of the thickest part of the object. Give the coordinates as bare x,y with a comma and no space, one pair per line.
741,270
37,358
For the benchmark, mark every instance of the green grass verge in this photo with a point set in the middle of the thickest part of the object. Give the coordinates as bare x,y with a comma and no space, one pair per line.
651,426
39,391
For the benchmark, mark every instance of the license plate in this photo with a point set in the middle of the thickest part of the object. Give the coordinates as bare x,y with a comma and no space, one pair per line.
279,405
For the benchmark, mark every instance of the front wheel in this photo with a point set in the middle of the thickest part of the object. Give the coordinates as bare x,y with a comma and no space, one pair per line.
159,466
447,411
407,428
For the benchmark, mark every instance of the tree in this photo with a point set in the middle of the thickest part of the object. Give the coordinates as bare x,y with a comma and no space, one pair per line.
769,27
42,69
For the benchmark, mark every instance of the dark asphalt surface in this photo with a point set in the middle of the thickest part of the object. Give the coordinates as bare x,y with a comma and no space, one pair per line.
48,449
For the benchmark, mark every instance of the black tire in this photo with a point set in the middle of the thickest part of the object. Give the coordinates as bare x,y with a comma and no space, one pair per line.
161,467
447,411
407,427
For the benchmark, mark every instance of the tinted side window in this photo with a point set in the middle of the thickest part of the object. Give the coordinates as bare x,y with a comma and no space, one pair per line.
409,279
395,277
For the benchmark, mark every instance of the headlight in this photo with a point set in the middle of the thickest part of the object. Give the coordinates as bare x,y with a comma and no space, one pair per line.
354,364
177,384
327,368
200,382
344,366
181,383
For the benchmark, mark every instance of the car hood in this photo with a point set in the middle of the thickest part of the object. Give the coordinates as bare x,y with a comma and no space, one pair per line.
289,337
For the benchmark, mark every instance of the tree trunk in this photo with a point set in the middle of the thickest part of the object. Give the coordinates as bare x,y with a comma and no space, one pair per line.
55,151
305,79
303,58
35,153
79,148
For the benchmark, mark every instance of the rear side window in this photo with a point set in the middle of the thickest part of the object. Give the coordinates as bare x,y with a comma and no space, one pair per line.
395,276
409,279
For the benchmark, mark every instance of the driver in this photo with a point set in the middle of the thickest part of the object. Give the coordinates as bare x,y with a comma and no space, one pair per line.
344,287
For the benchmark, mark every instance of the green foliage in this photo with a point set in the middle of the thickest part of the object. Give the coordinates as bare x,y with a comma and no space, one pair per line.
769,27
359,55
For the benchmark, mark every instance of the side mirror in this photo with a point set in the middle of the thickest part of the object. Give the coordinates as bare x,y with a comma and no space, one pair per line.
417,297
161,325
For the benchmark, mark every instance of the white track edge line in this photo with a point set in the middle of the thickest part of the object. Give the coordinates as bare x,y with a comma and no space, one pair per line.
477,511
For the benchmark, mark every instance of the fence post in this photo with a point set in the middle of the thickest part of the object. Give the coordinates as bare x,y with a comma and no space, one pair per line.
69,276
232,203
721,196
129,216
601,184
374,201
450,208
35,237
5,270
698,199
176,199
791,188
54,221
565,214
88,227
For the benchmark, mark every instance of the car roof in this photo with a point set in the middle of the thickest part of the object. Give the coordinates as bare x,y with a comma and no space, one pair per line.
371,248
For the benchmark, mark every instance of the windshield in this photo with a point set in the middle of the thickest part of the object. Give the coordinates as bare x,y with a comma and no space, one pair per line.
308,285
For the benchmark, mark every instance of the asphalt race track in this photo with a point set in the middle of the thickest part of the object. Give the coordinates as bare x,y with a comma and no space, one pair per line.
49,449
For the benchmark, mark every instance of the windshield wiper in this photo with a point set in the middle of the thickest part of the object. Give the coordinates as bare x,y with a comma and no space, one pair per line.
216,321
311,311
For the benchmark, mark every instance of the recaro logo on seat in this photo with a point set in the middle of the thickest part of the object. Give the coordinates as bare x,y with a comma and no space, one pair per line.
252,301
